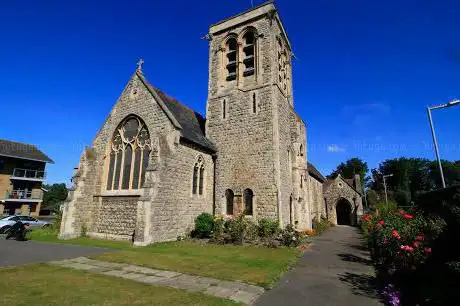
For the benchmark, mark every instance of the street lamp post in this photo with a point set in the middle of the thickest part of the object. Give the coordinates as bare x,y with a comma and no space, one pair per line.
436,149
385,186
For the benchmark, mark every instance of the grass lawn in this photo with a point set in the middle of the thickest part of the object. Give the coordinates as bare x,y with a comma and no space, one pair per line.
50,235
49,285
256,265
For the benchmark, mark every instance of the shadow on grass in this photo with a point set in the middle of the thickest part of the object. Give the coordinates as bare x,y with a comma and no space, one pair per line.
353,258
362,284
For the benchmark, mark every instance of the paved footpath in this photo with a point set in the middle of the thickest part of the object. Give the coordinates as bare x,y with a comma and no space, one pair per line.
336,270
14,252
236,291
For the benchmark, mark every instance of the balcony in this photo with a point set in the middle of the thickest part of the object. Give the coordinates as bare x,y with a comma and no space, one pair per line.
21,195
28,175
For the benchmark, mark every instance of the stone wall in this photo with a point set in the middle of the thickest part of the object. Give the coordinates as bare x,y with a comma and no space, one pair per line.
316,198
175,208
117,216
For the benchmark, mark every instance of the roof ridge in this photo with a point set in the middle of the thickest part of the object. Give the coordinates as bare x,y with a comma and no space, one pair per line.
175,99
15,149
183,117
18,142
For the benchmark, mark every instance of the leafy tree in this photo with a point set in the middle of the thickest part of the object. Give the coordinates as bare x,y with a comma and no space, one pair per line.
412,176
373,198
351,167
451,173
56,194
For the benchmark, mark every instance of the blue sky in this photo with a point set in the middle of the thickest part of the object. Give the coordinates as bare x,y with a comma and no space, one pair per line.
363,74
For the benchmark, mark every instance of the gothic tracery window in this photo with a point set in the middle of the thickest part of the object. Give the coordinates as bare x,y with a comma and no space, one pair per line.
129,154
198,176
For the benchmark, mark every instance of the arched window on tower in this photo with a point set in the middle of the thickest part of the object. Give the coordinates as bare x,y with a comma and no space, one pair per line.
129,154
249,51
231,55
229,196
282,66
248,202
198,176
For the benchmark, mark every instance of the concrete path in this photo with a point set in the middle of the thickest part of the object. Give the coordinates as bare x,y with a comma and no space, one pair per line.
235,291
14,252
336,270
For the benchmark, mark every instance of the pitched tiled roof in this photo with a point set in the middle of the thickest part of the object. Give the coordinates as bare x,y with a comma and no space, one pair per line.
350,182
190,122
22,151
315,172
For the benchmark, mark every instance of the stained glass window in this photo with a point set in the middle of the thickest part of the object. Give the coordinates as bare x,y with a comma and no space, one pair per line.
129,156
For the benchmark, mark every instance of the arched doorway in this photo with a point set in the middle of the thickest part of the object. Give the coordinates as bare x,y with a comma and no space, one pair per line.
343,212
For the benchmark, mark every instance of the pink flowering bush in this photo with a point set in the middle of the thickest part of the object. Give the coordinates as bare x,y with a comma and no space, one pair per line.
400,243
399,240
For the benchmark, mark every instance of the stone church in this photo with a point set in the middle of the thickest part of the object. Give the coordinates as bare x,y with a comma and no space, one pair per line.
156,164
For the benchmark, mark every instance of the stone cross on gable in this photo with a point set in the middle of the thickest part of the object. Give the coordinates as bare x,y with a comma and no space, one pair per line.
139,64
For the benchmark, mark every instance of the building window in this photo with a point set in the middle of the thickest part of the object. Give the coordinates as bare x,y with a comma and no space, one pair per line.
248,202
195,179
249,43
254,103
231,58
200,185
301,150
301,181
229,195
224,109
282,66
198,176
129,154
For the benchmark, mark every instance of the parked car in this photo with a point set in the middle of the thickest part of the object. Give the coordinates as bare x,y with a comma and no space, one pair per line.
7,222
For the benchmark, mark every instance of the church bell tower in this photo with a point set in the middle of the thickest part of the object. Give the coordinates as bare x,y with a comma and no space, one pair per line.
249,113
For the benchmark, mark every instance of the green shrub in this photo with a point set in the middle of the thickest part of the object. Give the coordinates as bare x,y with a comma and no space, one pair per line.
290,237
219,234
384,209
268,228
251,233
236,229
204,226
